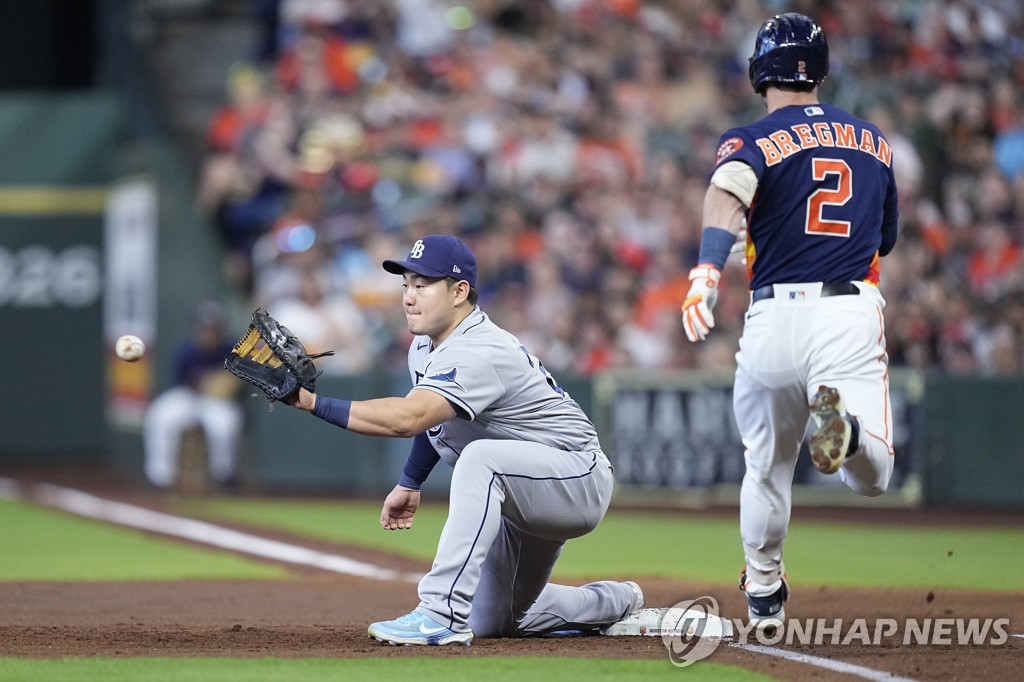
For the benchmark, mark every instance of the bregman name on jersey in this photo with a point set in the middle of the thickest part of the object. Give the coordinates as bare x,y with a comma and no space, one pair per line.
781,144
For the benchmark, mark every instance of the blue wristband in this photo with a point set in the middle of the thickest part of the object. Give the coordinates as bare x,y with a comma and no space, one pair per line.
333,410
715,245
422,459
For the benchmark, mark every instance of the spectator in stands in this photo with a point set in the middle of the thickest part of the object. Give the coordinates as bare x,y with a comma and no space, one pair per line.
326,321
245,176
593,122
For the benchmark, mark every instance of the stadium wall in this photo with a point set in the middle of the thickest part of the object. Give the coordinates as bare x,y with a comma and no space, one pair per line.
68,157
59,155
673,440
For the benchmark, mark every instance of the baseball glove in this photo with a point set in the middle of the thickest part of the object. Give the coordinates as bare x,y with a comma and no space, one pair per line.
270,357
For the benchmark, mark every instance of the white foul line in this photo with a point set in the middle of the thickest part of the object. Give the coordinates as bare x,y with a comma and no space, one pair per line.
828,664
202,532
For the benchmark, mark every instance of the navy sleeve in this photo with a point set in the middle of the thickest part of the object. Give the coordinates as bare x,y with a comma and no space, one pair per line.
422,459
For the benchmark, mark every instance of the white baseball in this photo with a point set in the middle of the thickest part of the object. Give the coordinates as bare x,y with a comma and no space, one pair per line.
129,348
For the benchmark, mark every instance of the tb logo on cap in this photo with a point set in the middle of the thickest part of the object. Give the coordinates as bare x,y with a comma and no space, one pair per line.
417,249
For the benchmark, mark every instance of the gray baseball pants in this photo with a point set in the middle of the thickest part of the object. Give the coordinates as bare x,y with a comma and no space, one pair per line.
513,504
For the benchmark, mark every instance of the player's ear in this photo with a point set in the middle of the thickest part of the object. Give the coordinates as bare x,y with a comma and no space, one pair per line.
461,291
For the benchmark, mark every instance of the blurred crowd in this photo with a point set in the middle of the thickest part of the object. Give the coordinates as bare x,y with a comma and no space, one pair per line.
569,142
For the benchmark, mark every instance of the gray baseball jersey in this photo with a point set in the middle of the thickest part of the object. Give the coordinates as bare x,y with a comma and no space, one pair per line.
498,388
529,474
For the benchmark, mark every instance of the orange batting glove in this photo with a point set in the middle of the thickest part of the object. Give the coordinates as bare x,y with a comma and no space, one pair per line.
700,300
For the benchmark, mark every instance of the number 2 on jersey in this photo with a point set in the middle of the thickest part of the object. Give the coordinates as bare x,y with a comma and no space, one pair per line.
535,362
821,169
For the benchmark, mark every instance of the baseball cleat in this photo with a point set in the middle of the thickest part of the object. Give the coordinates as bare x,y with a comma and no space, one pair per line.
677,621
638,602
836,434
766,613
416,628
641,622
637,619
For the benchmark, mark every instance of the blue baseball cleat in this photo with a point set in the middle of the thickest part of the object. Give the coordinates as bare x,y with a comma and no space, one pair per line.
416,628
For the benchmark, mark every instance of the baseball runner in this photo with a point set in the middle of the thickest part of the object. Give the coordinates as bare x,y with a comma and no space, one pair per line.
529,472
815,187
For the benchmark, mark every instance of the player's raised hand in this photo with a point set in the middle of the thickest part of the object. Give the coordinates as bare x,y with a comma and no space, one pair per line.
700,300
399,508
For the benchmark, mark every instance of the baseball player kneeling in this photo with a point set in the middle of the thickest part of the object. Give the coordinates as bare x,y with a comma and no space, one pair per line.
529,472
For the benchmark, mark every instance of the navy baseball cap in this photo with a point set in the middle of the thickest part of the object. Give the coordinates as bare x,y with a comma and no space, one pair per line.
437,255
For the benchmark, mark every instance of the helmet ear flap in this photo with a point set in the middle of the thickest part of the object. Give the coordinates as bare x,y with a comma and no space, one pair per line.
789,48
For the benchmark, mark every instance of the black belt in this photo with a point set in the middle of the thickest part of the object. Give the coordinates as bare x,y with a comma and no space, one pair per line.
827,289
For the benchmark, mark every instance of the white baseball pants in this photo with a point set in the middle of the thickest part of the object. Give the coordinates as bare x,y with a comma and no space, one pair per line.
174,411
792,344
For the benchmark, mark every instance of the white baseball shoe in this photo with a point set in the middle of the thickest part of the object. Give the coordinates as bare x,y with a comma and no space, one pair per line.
676,621
640,623
837,433
637,620
638,602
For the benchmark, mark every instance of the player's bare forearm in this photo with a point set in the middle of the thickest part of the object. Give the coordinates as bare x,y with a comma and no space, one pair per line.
723,222
399,417
722,209
386,417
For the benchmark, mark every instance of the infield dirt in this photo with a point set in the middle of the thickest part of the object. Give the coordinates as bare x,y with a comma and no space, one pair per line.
320,614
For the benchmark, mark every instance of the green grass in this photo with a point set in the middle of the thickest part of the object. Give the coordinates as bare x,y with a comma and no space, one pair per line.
872,556
841,554
43,544
354,670
691,547
356,523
